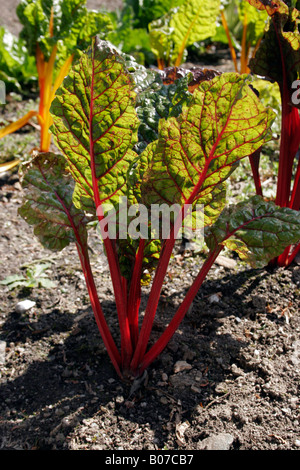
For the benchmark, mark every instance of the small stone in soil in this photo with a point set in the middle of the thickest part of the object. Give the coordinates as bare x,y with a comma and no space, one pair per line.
181,365
2,352
24,305
220,441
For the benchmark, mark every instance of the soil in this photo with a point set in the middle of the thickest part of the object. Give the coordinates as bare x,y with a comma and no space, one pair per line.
229,378
240,347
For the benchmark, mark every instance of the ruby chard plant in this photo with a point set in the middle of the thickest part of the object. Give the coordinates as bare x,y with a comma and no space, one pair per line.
123,134
278,59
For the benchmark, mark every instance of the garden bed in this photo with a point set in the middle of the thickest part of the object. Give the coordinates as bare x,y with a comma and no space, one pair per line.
228,379
238,387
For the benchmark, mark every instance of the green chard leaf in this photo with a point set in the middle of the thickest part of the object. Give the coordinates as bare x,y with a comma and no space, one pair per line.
127,37
161,38
196,152
257,230
178,28
66,23
162,95
95,125
256,22
17,68
48,191
149,10
195,20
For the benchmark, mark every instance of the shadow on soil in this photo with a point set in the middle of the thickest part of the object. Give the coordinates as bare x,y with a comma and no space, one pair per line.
75,379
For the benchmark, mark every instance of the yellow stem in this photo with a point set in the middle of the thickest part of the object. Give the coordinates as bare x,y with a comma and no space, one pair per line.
14,126
45,96
232,50
49,79
40,65
48,97
51,22
45,70
160,64
61,75
47,91
8,166
244,53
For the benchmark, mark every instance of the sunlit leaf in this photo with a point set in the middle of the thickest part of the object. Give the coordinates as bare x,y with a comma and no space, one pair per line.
48,205
95,124
195,20
257,230
197,151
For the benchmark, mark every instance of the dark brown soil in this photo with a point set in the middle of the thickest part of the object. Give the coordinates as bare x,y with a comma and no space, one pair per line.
59,390
236,389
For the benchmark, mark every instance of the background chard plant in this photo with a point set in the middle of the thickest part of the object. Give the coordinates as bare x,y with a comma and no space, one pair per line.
242,27
278,59
180,27
123,133
17,67
53,33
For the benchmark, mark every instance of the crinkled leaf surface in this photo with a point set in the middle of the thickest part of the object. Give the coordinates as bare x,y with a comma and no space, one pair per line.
95,124
257,230
198,150
48,205
162,94
157,101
